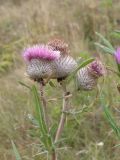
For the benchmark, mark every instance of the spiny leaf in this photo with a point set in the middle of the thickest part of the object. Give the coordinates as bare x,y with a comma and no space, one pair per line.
39,111
17,155
111,120
104,48
105,41
44,134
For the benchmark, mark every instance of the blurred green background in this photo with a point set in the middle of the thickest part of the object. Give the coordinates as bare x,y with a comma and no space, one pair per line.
88,134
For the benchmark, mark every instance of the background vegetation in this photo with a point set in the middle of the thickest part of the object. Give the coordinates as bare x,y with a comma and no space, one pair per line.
89,136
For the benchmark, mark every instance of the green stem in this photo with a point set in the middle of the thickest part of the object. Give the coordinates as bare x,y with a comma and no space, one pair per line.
44,102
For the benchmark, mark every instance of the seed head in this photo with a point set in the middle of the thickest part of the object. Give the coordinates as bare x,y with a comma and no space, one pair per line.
59,45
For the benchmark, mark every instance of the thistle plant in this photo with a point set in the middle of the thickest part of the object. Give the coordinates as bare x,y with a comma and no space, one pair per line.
64,66
39,60
53,61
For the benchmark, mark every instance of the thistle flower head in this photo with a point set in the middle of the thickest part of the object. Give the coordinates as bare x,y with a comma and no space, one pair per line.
40,52
84,80
117,55
64,66
96,68
38,68
59,45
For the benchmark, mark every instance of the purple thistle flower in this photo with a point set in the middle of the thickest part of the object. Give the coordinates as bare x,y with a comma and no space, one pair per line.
96,68
117,55
87,77
40,52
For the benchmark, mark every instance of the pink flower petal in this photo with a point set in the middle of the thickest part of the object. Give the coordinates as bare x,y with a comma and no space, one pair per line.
117,55
40,52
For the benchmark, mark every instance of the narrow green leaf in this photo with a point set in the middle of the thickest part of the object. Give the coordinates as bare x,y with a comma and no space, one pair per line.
105,41
111,121
25,85
39,111
104,48
118,145
52,84
83,64
110,118
52,131
117,31
44,134
60,140
17,155
115,34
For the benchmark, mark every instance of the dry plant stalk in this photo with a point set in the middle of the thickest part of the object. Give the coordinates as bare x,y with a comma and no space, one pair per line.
64,110
54,155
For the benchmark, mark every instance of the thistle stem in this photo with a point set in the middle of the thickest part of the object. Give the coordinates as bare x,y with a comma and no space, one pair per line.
63,115
44,102
54,155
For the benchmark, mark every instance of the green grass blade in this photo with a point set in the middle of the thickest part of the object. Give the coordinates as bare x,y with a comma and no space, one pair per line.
17,155
105,41
83,64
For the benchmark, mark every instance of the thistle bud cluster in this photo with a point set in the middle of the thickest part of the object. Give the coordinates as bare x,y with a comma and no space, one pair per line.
53,60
